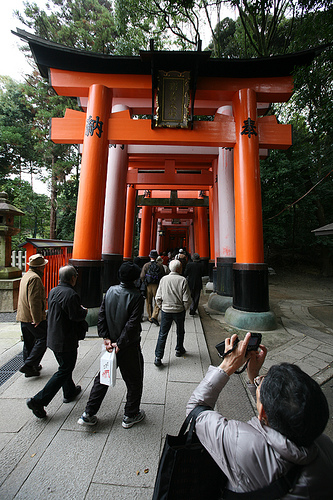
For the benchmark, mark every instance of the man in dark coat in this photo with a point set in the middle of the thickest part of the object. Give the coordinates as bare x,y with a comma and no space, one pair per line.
193,274
66,325
119,324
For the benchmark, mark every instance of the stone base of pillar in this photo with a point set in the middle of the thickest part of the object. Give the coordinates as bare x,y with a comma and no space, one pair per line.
89,281
251,321
211,267
92,316
224,276
205,265
219,303
250,287
9,290
112,264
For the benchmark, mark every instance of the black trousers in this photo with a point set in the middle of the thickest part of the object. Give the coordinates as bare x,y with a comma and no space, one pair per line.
195,294
34,338
130,363
61,378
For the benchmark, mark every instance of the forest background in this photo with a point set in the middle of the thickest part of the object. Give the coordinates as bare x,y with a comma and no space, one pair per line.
296,184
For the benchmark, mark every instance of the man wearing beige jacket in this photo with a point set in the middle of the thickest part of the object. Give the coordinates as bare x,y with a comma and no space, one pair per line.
31,313
173,296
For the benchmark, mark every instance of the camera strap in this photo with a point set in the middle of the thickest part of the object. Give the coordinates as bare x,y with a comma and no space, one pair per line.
230,351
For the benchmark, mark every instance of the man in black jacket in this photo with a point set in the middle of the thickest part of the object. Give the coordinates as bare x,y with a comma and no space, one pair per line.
119,323
66,325
193,274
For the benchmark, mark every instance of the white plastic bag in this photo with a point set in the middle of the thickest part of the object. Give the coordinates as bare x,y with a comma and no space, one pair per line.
108,368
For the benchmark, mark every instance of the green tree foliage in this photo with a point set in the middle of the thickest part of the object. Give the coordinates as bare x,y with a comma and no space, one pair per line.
16,123
36,207
83,24
58,159
119,27
311,106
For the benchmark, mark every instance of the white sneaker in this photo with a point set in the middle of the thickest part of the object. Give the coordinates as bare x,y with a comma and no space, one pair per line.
86,419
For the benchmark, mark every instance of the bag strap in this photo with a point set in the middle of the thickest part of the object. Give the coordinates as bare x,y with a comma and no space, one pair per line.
190,419
279,488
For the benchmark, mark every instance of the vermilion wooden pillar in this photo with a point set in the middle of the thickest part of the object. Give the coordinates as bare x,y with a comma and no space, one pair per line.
153,236
211,263
87,247
203,236
145,232
211,223
250,272
191,237
129,222
215,215
196,231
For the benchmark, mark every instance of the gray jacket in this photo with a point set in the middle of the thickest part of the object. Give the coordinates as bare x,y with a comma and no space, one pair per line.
253,455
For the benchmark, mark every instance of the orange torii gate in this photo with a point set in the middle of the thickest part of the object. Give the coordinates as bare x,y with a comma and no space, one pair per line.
112,90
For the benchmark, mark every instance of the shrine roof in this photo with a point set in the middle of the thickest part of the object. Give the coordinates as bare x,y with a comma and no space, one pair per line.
49,54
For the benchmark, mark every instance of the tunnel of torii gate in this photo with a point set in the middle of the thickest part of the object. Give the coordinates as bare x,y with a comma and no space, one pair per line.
180,171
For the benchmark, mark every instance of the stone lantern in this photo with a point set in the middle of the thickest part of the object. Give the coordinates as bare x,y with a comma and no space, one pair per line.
10,277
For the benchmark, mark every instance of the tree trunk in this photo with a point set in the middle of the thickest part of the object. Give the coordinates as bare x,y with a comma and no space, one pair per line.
53,212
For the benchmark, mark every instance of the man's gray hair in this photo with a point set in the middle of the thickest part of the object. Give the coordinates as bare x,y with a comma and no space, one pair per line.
66,273
175,266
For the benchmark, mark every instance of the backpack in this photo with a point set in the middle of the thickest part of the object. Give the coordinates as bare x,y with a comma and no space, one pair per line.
153,273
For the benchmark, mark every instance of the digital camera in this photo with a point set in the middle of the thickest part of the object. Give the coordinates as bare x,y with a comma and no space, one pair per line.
253,345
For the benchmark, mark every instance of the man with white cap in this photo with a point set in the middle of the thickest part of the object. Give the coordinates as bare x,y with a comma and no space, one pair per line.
31,313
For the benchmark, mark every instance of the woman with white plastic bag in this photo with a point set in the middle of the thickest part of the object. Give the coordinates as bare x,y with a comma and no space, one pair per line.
119,324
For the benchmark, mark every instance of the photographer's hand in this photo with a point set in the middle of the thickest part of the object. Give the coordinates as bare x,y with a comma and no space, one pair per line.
257,359
236,358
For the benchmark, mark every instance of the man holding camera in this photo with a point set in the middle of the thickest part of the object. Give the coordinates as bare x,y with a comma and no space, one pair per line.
285,440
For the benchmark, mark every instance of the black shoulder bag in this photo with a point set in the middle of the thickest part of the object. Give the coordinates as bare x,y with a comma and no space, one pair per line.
186,469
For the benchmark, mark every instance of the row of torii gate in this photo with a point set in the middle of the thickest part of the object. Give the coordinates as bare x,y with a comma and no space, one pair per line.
182,172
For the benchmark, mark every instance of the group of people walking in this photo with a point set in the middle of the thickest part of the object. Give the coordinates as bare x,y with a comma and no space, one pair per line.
282,451
174,289
119,324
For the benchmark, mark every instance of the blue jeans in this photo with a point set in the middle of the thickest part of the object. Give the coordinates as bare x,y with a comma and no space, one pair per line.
166,322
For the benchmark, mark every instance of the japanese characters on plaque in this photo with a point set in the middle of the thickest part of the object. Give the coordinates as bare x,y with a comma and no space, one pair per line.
249,128
173,95
92,125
